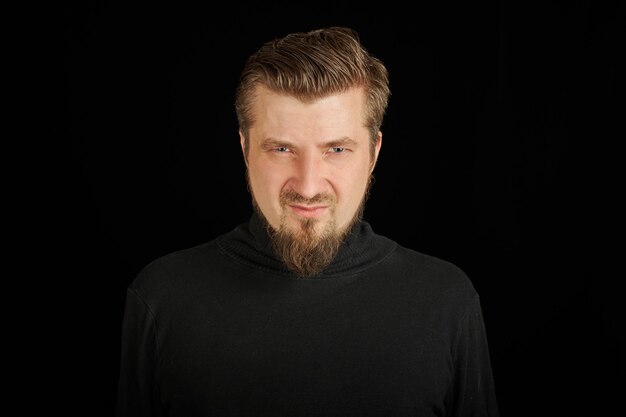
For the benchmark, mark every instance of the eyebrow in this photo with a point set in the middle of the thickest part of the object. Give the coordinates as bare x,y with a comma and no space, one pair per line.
270,143
345,141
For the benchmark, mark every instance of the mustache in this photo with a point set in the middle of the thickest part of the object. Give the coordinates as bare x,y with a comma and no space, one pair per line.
290,196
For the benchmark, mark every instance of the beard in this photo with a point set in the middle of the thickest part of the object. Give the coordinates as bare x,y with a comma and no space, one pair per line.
306,249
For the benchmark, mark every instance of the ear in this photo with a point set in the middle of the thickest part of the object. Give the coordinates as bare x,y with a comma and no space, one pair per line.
377,146
242,143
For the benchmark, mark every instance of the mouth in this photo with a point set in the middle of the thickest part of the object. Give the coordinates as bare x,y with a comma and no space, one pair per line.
309,211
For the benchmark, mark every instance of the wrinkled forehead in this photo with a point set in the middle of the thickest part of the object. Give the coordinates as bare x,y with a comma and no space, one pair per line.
349,104
339,109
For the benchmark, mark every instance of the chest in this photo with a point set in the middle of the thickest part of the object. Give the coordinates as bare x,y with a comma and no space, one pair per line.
331,354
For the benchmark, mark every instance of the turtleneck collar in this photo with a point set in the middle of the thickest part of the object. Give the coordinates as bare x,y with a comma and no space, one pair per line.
250,243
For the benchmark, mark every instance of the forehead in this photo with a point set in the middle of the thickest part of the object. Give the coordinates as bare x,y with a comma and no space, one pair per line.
341,111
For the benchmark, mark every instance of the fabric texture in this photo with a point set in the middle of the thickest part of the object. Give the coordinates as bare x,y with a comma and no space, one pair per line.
223,329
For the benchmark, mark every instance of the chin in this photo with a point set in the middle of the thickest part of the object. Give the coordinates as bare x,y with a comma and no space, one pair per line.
306,223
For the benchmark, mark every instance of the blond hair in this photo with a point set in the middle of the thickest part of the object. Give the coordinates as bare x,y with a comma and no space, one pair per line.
312,65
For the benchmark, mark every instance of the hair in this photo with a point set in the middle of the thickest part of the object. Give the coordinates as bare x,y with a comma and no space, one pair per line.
312,65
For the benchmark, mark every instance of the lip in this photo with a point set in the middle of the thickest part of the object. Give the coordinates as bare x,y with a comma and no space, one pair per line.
309,211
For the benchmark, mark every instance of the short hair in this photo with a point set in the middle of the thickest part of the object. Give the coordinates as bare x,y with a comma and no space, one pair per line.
312,65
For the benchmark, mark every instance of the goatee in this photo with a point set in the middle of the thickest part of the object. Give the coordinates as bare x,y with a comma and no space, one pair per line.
305,250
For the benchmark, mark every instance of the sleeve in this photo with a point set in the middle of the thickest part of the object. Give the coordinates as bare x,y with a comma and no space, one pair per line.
139,348
473,391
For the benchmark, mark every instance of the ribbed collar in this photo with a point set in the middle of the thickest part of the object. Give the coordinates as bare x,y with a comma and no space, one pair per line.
250,243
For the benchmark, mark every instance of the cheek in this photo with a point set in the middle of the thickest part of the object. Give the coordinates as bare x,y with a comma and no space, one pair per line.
266,181
352,183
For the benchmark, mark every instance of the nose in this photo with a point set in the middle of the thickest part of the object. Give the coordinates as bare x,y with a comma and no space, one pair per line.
309,177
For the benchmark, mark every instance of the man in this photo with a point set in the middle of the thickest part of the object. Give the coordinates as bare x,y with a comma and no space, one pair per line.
304,310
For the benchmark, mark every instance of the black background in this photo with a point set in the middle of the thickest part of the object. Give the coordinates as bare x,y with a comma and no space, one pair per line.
496,156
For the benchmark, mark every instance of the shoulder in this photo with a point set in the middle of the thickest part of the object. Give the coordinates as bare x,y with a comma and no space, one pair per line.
432,274
431,286
172,272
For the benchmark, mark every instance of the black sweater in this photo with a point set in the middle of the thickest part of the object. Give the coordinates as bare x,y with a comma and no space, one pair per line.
222,329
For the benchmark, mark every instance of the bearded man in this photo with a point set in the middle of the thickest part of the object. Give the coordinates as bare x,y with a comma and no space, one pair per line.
303,310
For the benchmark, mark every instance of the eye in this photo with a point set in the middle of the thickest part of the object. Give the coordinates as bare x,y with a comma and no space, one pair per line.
337,149
281,149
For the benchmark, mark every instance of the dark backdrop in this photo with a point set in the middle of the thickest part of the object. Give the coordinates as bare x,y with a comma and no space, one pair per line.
494,157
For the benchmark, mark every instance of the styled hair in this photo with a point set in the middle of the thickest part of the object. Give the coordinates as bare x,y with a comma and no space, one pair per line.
312,65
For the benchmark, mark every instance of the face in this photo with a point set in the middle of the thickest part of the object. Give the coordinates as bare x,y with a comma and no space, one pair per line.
309,163
308,168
